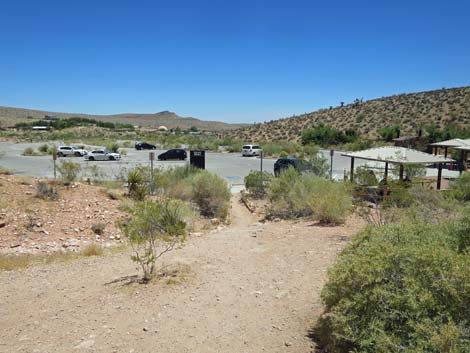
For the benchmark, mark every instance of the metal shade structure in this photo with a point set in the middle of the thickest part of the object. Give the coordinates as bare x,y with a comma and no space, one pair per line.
400,156
453,143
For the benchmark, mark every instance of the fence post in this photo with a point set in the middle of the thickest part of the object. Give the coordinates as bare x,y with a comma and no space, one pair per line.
54,159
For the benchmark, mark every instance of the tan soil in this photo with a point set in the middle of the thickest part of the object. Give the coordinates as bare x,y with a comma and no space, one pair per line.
32,225
251,287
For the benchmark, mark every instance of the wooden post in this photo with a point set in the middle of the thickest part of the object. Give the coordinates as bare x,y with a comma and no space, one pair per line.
351,177
386,171
439,176
401,172
445,152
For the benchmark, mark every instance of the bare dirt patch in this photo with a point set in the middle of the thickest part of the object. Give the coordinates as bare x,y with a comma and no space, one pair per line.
251,287
30,225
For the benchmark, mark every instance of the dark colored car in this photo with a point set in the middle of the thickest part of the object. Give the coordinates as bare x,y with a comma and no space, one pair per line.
177,154
283,163
144,146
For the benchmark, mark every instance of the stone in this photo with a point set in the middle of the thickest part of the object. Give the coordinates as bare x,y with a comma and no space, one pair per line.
3,224
215,221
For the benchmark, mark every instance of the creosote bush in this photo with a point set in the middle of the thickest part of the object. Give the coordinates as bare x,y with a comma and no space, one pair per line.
211,194
462,187
46,192
293,195
256,182
402,287
153,229
69,171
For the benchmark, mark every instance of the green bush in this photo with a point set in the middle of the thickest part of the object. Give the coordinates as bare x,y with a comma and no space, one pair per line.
153,229
388,133
137,184
43,148
462,187
69,171
400,288
329,201
211,194
256,183
325,135
28,151
287,197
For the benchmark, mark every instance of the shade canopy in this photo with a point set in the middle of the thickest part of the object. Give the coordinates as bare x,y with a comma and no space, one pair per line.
463,148
452,143
398,155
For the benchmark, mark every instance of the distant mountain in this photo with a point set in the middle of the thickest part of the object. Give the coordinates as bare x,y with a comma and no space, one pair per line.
410,111
165,118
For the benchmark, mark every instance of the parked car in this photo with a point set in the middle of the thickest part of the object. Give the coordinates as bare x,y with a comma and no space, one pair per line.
177,154
67,151
145,146
251,150
102,155
283,163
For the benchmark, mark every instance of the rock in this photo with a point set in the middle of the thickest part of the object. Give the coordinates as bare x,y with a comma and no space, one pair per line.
16,245
215,221
287,344
118,236
3,224
85,344
145,329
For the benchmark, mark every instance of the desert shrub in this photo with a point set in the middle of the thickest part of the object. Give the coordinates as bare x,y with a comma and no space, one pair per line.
256,183
46,192
287,196
113,147
329,201
98,228
318,165
28,151
180,189
211,194
325,135
365,176
137,184
283,154
43,148
388,133
461,187
399,288
68,171
153,229
92,250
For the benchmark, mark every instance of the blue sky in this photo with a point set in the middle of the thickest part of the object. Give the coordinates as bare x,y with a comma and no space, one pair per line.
234,61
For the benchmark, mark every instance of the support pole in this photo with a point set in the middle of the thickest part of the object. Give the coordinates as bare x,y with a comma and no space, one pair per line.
351,176
445,152
332,152
261,155
401,172
461,166
439,176
386,171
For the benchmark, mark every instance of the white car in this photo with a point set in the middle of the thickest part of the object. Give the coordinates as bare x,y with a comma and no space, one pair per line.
102,155
66,151
251,150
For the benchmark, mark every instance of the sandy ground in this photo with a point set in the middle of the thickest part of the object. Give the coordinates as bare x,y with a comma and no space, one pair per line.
251,287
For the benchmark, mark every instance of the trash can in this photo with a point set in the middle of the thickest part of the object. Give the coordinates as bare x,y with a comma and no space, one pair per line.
197,159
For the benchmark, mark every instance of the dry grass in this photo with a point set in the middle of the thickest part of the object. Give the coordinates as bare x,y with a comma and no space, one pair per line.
18,262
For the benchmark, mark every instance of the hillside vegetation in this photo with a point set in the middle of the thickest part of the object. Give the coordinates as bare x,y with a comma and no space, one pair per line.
409,111
9,116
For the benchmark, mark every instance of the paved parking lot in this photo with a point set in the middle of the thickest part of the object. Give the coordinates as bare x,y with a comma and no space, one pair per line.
231,166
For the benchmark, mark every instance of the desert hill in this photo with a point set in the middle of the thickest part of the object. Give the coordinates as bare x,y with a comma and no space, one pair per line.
11,115
410,111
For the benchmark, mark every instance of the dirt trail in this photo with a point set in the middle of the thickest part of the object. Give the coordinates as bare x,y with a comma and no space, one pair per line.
252,287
